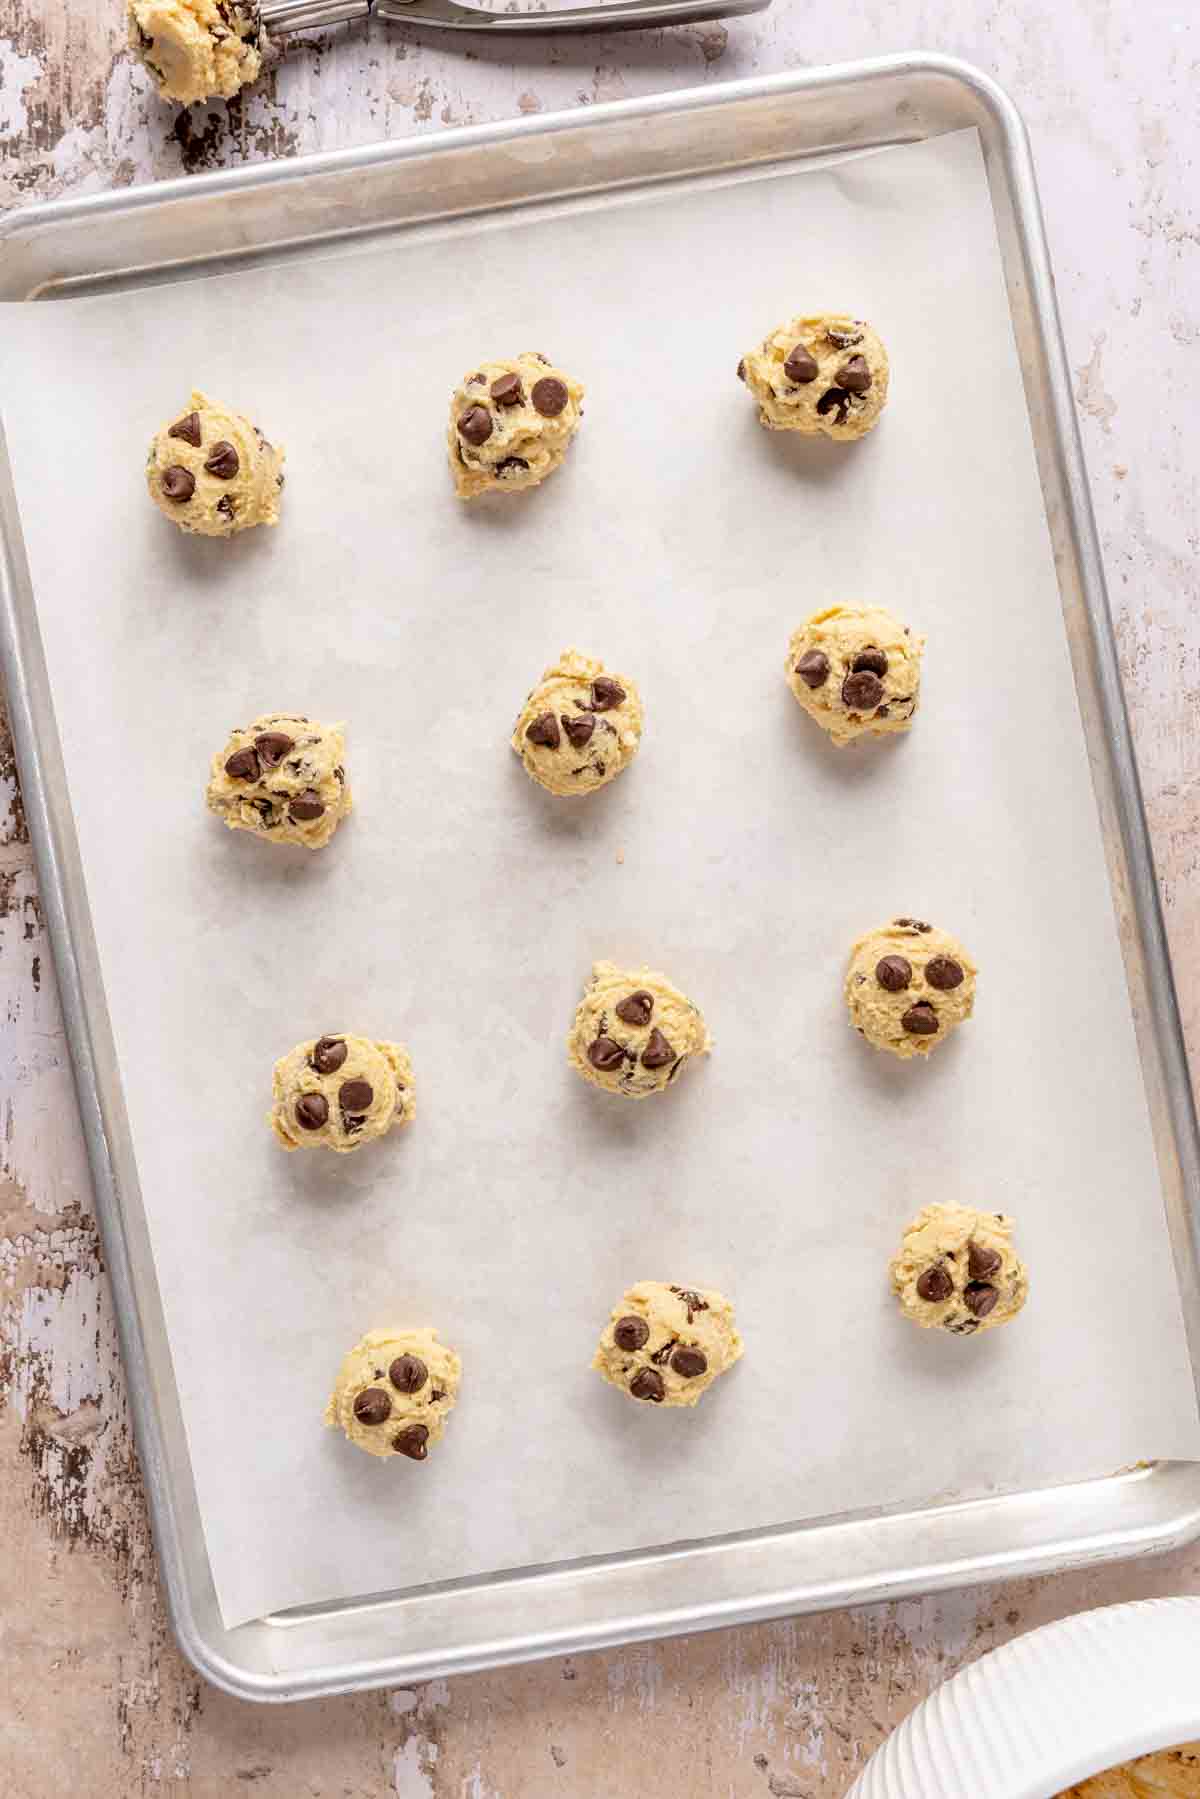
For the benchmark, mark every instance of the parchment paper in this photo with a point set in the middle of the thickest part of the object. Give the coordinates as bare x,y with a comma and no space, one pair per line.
460,909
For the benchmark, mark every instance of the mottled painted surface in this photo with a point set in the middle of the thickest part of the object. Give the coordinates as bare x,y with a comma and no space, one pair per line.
97,1701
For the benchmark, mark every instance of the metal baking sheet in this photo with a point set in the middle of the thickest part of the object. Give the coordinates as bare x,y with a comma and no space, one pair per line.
461,1631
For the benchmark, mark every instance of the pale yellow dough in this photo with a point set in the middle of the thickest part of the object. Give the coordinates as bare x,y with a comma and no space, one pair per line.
350,1118
1165,1774
255,784
592,718
857,671
956,1270
392,1419
676,1341
659,1023
839,346
525,440
197,49
230,481
909,1014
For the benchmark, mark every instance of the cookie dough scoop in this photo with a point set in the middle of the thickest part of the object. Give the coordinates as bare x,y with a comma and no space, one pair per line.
211,49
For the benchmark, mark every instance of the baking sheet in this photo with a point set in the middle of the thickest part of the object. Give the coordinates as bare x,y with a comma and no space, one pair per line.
460,908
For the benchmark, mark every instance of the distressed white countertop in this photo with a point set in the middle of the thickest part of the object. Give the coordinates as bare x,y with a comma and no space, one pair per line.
97,1700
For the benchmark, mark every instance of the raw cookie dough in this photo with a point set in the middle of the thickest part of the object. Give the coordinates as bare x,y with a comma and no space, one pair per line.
213,473
282,777
579,727
634,1031
908,985
339,1091
197,49
1165,1774
856,670
956,1270
510,424
394,1392
823,372
668,1344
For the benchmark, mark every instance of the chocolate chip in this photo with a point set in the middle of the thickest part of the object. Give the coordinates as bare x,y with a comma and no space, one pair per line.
841,339
544,731
935,1284
606,693
854,375
328,1054
871,661
475,381
223,461
475,425
801,365
981,1261
188,429
647,1383
658,1052
691,1363
630,1332
312,1110
355,1096
408,1374
579,729
178,484
306,806
862,692
509,463
813,668
242,765
549,396
226,507
372,1406
893,973
980,1298
605,1055
695,1302
741,370
273,746
835,398
944,973
921,1020
412,1442
507,390
912,924
636,1008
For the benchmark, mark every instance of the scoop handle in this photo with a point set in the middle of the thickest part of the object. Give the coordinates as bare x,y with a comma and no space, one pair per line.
279,16
620,15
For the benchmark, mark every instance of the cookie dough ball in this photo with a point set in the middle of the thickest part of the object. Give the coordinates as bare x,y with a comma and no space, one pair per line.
338,1092
908,985
956,1270
857,671
821,373
282,777
668,1344
510,424
634,1031
579,727
394,1392
213,473
197,49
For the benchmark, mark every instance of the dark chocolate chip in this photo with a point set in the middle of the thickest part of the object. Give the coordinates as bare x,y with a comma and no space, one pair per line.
549,396
273,746
475,425
841,339
691,1363
509,463
188,429
606,693
944,973
178,484
223,461
475,381
605,1055
507,390
862,692
835,397
980,1298
328,1054
872,661
355,1096
306,806
312,1110
658,1052
226,506
372,1406
578,729
636,1008
544,731
242,765
981,1261
741,370
854,375
408,1374
412,1442
801,365
894,973
630,1332
921,1020
647,1383
694,1301
813,668
935,1284
912,924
